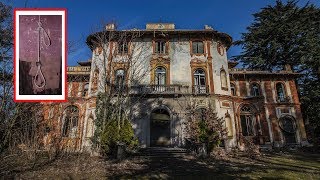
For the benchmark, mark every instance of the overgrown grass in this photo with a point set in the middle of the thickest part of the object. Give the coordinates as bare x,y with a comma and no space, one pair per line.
286,166
82,166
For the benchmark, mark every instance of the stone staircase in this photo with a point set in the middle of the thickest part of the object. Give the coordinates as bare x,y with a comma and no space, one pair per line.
161,152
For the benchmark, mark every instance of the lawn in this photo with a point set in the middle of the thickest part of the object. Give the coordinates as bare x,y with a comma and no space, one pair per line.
79,166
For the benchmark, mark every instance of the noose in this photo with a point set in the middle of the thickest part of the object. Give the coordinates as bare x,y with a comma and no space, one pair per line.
39,79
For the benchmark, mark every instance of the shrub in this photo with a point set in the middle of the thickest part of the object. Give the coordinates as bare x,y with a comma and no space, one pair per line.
111,135
204,126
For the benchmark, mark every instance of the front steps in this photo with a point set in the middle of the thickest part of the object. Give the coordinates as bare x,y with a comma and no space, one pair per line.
161,152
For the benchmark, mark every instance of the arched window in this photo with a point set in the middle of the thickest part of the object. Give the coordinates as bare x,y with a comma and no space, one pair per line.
199,81
247,121
120,78
233,89
223,78
197,47
70,123
85,89
281,95
160,76
255,89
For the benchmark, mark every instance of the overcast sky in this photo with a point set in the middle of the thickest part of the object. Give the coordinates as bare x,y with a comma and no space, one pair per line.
229,16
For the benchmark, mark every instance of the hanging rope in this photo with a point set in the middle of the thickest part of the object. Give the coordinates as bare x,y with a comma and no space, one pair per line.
39,79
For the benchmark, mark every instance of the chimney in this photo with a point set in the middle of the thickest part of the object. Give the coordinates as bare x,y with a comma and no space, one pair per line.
207,27
111,27
287,67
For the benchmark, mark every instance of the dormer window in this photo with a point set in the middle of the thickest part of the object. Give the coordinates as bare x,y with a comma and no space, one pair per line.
197,47
160,47
123,48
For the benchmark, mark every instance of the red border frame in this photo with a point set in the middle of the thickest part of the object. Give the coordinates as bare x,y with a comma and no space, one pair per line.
14,50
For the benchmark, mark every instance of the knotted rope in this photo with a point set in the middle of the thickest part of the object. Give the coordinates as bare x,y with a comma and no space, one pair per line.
39,79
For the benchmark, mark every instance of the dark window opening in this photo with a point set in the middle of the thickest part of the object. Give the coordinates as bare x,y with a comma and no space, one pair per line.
255,90
123,48
160,47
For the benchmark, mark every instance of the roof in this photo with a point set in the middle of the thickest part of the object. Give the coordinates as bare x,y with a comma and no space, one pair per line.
232,64
234,71
84,63
224,37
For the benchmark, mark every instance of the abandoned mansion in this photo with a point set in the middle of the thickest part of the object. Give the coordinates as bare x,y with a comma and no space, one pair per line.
159,71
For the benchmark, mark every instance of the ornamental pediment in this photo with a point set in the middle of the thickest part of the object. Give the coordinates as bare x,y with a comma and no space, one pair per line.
197,60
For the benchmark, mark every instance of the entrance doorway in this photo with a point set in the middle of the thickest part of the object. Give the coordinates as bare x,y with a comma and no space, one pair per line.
287,125
160,128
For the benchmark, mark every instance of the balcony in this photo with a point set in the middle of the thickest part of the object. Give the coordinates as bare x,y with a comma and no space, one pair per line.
200,89
284,99
159,89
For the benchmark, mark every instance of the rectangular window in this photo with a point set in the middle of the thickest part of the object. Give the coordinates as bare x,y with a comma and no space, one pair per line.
123,48
197,47
160,47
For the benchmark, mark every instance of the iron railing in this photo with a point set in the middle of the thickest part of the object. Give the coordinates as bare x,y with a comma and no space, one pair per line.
283,99
200,89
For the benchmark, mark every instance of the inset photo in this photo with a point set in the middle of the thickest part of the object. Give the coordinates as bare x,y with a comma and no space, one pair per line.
40,55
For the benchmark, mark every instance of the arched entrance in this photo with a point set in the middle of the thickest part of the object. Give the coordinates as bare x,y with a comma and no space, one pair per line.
160,128
288,127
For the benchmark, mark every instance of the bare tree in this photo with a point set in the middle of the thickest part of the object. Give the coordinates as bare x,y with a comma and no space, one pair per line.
120,57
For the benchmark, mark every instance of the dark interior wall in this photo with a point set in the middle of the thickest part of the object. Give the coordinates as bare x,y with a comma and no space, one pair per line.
50,57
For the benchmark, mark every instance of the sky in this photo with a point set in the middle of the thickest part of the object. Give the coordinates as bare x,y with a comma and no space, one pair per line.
85,16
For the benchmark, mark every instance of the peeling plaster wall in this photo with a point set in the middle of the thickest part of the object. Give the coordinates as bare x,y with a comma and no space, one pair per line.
180,62
180,74
218,62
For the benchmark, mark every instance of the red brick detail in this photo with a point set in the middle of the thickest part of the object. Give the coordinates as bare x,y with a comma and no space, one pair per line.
242,88
264,127
294,92
268,90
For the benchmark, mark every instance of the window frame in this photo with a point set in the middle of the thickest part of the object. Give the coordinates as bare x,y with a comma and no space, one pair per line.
117,84
233,86
200,81
252,92
247,112
197,42
163,74
160,49
225,82
279,99
123,48
69,120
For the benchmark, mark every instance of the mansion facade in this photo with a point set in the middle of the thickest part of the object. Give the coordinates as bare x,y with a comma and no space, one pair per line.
161,70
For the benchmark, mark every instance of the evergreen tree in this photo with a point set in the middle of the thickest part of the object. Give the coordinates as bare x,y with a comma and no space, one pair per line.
286,34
